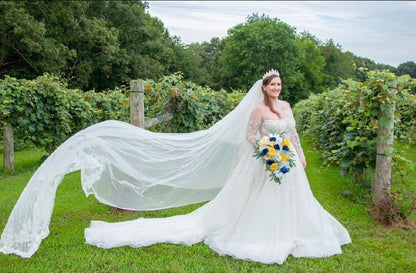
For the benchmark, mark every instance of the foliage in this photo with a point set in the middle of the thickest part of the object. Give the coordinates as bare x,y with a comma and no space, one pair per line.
338,65
256,46
307,65
207,71
344,121
145,49
193,107
25,47
361,62
405,129
407,68
44,112
312,65
395,208
103,44
92,44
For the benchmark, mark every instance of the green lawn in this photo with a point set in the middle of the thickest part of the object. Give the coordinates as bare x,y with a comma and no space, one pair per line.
374,248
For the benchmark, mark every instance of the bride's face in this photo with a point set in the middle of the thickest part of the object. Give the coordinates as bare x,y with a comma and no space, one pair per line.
273,88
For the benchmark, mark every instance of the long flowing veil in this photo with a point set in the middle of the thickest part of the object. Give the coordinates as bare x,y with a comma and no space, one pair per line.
128,167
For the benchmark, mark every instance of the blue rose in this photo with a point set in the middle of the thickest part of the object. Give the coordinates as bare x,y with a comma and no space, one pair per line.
284,169
264,151
269,162
277,147
272,138
285,148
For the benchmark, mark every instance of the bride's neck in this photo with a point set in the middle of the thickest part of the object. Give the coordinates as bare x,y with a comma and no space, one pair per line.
275,101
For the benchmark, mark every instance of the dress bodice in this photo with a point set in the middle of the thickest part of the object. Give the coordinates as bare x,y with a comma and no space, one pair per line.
282,126
260,125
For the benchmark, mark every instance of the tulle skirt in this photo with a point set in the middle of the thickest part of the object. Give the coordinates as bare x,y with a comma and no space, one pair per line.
252,218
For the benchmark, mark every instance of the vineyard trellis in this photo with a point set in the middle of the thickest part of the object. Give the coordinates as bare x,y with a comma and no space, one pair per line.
137,115
137,118
385,138
354,126
43,112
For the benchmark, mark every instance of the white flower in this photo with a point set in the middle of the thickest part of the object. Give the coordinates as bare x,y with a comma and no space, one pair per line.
279,139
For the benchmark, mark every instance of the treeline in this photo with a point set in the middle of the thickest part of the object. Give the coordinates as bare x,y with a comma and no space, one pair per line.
103,44
92,44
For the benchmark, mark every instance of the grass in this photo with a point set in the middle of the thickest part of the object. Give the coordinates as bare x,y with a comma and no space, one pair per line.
374,248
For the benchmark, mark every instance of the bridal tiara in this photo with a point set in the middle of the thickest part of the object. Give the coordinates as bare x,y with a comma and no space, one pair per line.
271,72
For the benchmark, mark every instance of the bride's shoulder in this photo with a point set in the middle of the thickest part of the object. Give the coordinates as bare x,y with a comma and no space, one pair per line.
258,110
283,102
284,105
260,107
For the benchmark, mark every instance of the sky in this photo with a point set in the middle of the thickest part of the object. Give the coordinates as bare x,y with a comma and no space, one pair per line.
383,31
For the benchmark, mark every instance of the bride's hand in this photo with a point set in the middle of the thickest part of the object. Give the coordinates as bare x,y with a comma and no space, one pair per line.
303,161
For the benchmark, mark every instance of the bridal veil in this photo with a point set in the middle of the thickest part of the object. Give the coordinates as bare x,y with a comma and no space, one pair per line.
131,168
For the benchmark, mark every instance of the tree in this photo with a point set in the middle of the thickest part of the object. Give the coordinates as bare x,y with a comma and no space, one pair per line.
256,46
187,59
338,66
208,54
92,44
92,41
143,43
363,62
407,68
25,48
311,65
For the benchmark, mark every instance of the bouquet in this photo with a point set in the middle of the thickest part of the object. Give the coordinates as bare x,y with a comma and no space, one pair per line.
274,150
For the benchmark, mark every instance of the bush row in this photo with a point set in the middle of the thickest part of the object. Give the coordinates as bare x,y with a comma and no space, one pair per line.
343,122
44,112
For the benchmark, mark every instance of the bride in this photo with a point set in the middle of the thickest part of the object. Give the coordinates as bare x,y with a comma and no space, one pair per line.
249,216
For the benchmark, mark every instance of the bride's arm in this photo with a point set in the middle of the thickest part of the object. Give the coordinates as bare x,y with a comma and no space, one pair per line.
294,138
254,124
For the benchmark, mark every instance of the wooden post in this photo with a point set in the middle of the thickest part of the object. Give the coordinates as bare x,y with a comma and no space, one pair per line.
385,133
8,148
137,103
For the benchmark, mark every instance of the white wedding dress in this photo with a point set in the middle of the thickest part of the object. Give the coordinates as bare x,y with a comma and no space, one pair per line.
248,216
252,218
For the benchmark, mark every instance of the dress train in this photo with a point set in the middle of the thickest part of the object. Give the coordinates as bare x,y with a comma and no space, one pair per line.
251,218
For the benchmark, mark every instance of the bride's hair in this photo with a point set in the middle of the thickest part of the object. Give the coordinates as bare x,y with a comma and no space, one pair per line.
267,101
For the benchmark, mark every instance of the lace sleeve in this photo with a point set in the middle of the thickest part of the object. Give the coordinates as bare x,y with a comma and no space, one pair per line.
254,124
294,138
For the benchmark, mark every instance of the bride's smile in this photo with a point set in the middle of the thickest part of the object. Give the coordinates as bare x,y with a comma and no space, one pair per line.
273,88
